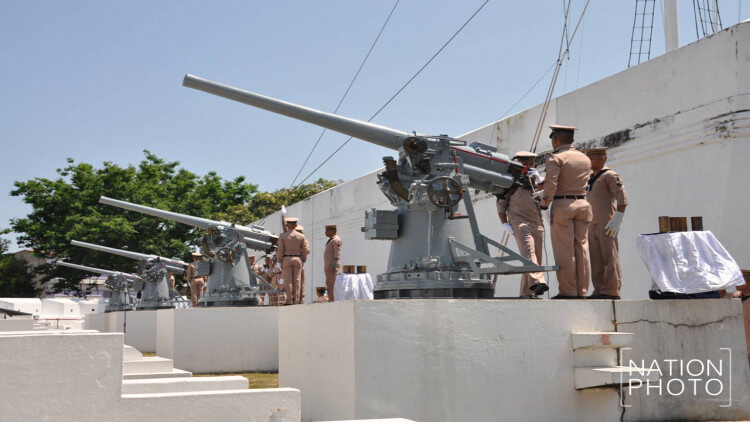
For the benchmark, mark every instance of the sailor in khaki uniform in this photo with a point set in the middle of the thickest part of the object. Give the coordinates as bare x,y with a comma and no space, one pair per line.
197,284
331,259
322,296
292,250
565,191
301,229
604,188
522,218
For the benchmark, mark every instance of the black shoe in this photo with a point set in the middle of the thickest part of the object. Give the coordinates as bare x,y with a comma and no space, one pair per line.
539,288
566,297
603,296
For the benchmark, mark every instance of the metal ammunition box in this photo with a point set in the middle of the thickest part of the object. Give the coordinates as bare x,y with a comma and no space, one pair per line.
203,269
381,224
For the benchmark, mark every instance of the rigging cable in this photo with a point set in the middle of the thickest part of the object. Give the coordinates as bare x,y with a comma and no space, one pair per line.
399,91
347,90
551,91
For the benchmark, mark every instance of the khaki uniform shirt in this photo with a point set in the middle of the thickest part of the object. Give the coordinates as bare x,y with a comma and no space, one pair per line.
520,207
567,173
292,242
332,251
190,273
606,189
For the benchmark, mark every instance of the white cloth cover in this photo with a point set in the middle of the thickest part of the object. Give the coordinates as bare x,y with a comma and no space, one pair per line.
688,262
352,286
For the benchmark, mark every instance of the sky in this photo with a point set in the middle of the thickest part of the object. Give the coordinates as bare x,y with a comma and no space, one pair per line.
102,81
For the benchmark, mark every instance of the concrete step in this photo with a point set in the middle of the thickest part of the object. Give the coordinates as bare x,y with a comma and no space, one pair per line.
175,373
131,353
183,384
601,340
153,364
613,375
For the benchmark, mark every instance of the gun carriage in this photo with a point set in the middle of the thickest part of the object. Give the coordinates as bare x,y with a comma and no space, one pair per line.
437,249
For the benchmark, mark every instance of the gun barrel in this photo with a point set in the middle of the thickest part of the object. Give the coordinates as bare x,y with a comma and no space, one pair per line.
203,223
376,134
170,262
255,238
95,270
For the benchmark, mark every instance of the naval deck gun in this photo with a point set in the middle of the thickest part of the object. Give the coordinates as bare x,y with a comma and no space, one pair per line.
435,250
154,270
119,283
231,281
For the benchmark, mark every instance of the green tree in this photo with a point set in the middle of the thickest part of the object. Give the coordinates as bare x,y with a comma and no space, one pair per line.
16,275
68,208
265,203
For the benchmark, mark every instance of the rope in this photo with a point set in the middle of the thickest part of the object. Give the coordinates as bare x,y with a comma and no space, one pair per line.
347,90
399,91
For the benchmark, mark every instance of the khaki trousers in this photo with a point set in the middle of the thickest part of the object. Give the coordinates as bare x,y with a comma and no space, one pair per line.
606,275
570,219
530,241
291,272
197,286
330,282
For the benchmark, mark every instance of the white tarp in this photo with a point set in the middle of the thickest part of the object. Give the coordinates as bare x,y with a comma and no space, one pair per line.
352,286
688,262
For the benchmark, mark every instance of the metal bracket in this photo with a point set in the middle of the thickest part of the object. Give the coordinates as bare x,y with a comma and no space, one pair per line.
500,265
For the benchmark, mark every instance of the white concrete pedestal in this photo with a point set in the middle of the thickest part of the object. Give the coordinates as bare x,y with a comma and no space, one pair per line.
220,340
486,360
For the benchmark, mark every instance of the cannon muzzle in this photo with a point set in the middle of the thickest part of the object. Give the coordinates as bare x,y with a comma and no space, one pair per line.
376,134
255,238
172,264
96,270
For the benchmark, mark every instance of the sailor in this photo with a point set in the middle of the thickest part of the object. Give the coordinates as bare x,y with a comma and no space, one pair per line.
604,188
565,191
197,284
301,229
331,259
521,218
322,296
271,275
292,249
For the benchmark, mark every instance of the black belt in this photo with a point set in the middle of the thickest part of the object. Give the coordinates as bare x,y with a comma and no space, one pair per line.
291,255
570,197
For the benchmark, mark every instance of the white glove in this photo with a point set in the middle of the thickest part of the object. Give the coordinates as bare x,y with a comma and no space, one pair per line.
278,266
537,196
508,228
534,174
613,227
281,281
283,210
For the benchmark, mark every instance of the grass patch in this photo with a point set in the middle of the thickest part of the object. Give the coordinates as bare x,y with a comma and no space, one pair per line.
148,354
255,379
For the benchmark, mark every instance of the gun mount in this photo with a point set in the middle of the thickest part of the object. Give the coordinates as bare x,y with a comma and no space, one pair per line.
119,284
231,281
154,270
436,251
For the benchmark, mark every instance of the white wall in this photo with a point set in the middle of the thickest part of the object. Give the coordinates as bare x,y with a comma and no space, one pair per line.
79,377
139,327
482,360
687,113
222,339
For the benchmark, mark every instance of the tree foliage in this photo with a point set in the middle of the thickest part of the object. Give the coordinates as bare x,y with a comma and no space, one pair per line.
16,275
265,203
67,208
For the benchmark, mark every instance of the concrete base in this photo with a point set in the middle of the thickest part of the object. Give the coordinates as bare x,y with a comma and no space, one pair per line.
139,327
19,323
450,360
216,340
79,377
